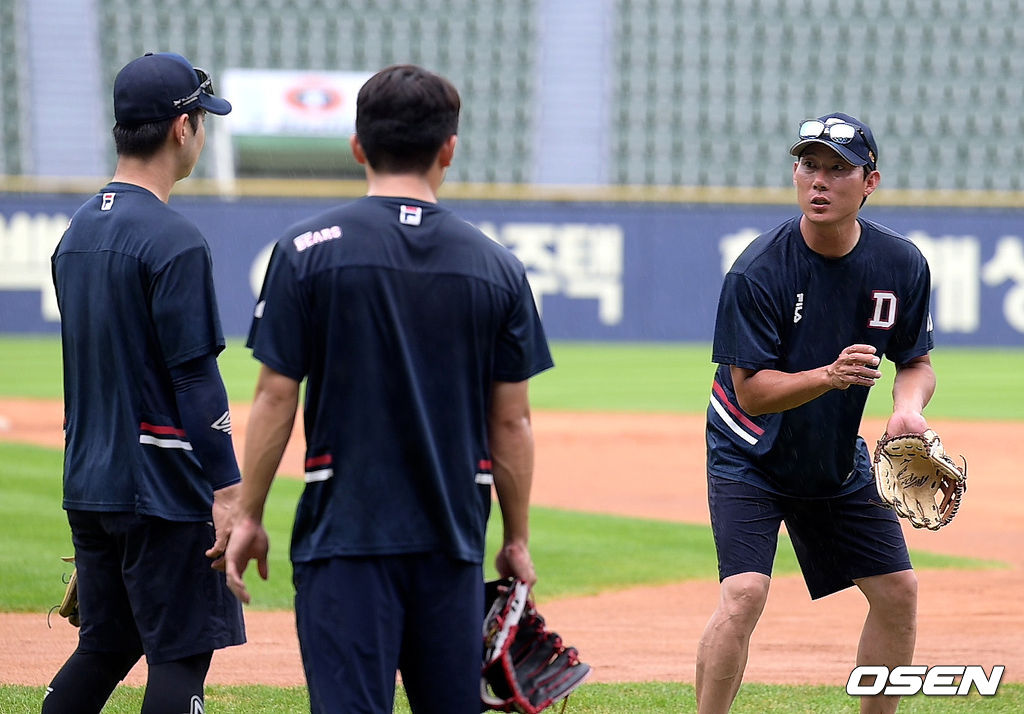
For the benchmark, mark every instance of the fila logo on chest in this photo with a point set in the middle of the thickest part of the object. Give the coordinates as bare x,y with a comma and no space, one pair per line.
798,310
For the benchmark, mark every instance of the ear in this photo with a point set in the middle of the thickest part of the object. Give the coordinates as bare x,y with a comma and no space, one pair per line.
357,149
447,151
178,129
871,182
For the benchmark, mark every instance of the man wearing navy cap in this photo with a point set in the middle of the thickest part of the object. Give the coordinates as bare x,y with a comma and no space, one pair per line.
806,313
149,469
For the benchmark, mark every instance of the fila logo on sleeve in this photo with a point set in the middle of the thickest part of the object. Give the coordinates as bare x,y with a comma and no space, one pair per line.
108,201
883,315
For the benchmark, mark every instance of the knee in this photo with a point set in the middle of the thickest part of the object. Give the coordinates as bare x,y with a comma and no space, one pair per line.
904,592
895,593
744,597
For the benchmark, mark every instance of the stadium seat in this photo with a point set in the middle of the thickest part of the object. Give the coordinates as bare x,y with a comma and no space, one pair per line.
693,82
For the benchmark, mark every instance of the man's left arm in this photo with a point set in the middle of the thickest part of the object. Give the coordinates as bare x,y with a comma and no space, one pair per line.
203,407
511,441
270,426
912,389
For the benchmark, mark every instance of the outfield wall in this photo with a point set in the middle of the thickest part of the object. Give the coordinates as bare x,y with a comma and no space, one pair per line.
599,270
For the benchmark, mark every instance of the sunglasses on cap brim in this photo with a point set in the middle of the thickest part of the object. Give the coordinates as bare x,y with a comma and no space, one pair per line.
205,86
838,132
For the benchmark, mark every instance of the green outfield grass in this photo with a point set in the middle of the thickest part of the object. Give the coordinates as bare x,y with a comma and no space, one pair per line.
973,383
639,698
576,553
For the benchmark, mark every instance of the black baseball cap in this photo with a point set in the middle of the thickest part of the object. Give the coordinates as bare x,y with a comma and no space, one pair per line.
847,136
161,86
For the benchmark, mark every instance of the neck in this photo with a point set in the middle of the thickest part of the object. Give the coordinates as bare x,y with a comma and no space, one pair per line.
422,187
150,174
832,240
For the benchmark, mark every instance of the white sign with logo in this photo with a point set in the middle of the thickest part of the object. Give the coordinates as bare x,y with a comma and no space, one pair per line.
313,112
292,103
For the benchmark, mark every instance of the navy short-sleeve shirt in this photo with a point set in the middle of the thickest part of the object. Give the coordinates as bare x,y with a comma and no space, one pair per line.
788,308
400,316
135,289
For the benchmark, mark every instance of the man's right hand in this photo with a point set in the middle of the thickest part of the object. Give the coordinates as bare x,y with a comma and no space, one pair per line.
248,541
855,366
513,561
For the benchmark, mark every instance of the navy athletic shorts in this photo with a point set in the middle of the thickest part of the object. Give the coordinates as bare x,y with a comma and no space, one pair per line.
145,585
836,540
360,619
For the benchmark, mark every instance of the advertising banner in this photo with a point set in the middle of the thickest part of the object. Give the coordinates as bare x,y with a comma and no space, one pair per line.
599,271
286,122
280,102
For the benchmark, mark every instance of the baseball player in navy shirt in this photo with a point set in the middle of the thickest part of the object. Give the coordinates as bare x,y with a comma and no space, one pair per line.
416,335
149,468
806,314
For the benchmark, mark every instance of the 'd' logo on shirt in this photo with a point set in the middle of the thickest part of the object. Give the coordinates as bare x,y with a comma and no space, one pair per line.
410,215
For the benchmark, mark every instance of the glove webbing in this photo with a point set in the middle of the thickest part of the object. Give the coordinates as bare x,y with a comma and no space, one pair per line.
564,674
543,667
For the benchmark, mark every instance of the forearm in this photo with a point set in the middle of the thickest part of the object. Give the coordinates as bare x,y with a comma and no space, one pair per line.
203,407
512,458
269,428
511,442
227,496
769,391
913,386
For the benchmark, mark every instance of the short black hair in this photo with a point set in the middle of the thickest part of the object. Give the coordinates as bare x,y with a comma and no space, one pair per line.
404,114
141,141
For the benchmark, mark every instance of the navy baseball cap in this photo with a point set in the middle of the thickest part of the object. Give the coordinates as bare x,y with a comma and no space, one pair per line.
847,136
161,86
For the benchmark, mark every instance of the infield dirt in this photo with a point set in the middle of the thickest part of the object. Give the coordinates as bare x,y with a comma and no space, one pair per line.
653,466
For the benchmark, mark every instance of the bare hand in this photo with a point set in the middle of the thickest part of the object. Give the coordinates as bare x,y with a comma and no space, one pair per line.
513,561
906,423
223,501
855,366
249,541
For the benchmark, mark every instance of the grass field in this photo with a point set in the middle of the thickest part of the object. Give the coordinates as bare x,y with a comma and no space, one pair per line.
565,544
973,384
639,698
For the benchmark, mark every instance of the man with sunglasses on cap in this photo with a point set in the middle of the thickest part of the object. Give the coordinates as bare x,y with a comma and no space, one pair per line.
806,313
149,469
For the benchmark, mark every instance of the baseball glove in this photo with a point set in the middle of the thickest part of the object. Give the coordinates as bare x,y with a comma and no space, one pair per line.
916,478
69,606
526,667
